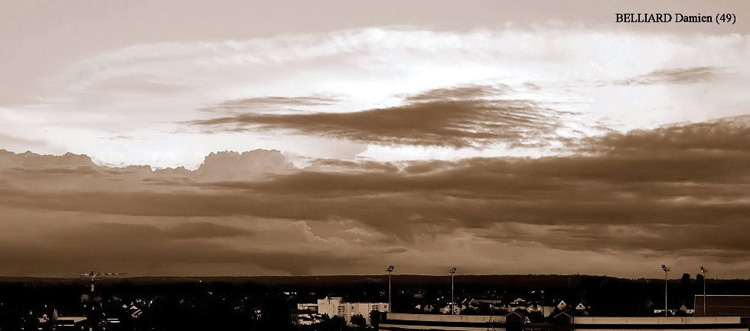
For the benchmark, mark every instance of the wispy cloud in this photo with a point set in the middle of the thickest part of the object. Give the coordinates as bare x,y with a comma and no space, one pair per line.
675,76
270,104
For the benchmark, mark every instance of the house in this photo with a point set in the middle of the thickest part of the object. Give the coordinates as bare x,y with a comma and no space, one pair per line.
457,308
581,309
518,302
539,309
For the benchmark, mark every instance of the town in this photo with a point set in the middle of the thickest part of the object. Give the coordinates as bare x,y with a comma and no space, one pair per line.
414,302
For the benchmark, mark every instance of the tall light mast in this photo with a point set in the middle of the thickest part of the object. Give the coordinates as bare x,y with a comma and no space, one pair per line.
389,270
704,271
453,301
666,272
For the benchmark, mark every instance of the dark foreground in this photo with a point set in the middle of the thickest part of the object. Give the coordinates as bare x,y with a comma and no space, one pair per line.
270,303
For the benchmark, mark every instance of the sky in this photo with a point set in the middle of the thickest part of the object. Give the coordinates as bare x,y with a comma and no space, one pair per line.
243,138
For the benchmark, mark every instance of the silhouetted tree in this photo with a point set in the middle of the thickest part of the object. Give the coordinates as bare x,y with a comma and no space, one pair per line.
686,290
375,318
685,280
358,320
335,323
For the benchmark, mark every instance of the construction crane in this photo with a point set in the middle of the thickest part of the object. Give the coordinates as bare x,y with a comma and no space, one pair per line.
94,275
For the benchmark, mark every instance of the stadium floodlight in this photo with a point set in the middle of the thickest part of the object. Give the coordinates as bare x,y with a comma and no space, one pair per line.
453,302
704,271
666,280
389,270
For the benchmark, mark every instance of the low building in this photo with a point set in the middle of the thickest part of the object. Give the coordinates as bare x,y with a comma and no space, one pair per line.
69,323
516,321
402,322
311,313
722,305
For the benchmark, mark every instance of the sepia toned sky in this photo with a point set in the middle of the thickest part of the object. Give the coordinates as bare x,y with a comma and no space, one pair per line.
339,137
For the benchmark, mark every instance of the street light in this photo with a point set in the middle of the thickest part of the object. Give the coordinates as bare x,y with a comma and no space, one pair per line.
453,271
704,271
666,271
389,270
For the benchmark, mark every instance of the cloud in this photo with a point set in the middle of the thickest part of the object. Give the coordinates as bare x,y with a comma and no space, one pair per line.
73,215
188,248
718,241
270,104
32,160
723,135
678,192
458,117
284,92
675,76
539,148
228,165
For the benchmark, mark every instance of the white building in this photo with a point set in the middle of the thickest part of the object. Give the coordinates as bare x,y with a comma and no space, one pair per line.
335,306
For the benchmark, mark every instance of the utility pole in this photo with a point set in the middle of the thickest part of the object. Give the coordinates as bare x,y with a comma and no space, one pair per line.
453,301
389,270
704,271
666,272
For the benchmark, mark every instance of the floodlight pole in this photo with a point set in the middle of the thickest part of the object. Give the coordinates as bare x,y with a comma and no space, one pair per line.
704,271
666,272
453,271
389,270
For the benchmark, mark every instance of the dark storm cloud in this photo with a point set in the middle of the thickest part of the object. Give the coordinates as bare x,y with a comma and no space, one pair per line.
192,230
675,76
110,244
456,117
679,191
731,134
137,248
467,92
328,165
726,241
